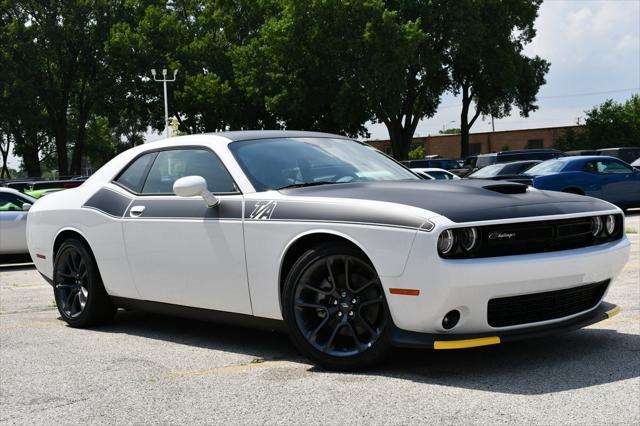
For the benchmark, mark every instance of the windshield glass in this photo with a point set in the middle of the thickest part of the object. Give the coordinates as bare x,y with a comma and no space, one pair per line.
546,168
280,162
486,160
488,171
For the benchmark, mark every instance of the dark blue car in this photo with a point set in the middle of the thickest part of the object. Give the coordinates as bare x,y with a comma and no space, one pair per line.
602,177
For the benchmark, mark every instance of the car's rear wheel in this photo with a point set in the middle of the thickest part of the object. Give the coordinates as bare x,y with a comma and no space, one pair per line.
79,293
335,310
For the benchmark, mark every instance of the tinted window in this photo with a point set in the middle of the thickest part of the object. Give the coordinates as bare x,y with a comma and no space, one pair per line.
547,167
483,161
10,202
487,172
612,166
279,162
133,176
170,166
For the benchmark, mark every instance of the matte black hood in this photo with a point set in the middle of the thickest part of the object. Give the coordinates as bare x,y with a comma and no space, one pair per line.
461,200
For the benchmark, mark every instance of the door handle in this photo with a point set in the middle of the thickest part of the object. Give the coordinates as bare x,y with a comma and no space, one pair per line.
136,211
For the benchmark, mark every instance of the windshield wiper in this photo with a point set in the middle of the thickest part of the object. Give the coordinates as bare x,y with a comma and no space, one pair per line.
305,184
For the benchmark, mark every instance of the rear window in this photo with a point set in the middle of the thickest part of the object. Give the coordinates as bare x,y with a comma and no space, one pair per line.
486,160
546,168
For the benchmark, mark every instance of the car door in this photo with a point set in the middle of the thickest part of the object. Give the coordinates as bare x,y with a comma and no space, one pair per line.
620,183
181,251
13,222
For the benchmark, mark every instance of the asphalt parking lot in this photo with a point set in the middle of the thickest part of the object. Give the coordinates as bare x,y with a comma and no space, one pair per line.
151,369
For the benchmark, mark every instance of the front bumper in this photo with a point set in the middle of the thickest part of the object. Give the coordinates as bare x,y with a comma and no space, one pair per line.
410,339
441,285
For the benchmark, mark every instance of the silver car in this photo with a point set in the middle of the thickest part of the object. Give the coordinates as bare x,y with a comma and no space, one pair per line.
13,221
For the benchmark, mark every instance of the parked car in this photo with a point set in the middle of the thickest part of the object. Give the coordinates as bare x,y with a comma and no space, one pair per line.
484,160
602,177
19,185
629,154
38,193
503,171
56,184
13,221
581,152
432,173
439,163
348,250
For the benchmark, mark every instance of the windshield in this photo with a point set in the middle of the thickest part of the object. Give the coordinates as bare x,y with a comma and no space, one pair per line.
488,171
546,168
281,162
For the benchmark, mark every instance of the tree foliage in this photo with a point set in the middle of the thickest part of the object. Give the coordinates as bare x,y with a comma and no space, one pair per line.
76,83
608,125
485,59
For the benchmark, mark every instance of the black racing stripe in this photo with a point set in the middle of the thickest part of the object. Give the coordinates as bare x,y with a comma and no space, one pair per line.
465,200
109,202
331,212
182,208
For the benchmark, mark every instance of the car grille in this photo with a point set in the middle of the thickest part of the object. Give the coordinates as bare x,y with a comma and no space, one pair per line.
536,307
537,237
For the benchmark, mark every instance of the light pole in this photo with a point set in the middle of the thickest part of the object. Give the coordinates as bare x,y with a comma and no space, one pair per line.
164,80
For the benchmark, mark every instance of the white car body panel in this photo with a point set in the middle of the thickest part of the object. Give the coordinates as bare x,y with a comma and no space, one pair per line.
234,265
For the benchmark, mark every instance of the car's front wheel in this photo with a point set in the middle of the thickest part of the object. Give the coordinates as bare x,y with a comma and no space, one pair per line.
79,293
335,310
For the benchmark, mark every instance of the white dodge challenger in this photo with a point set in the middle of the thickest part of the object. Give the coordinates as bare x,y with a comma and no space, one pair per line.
329,238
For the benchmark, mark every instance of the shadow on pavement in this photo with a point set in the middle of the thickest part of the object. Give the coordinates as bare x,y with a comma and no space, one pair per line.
557,363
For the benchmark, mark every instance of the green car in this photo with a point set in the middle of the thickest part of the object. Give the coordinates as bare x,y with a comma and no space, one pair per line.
38,193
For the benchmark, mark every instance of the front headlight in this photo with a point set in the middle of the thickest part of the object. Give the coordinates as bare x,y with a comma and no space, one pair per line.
468,238
446,241
596,226
610,224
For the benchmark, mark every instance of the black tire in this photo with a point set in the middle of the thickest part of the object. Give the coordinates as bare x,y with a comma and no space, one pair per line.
340,326
77,287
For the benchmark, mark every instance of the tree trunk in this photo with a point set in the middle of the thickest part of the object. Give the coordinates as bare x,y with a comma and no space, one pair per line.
401,136
30,155
464,123
4,174
81,136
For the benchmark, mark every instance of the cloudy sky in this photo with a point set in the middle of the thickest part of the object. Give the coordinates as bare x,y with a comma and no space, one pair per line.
593,47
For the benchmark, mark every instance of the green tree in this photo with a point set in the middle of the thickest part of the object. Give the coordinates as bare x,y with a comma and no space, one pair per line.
485,60
453,131
613,124
417,154
60,56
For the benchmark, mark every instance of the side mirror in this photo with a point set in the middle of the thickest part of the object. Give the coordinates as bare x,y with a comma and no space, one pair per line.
194,186
26,207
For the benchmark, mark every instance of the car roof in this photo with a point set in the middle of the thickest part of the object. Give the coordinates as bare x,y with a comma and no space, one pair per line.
242,135
520,151
430,169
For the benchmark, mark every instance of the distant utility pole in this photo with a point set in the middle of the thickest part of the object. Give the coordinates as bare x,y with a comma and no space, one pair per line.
493,127
164,80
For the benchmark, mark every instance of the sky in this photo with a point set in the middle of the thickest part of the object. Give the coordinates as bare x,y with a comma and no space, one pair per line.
594,50
593,47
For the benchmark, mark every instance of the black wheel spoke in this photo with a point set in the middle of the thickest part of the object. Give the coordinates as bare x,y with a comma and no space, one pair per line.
302,304
371,302
330,318
367,285
71,277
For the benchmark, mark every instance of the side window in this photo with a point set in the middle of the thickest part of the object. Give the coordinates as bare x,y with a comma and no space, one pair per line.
612,166
590,167
133,176
10,202
170,166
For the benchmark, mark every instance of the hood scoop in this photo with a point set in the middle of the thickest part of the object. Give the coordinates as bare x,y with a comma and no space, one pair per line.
507,188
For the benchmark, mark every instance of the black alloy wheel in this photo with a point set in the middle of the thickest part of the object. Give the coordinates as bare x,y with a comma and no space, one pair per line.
79,293
336,308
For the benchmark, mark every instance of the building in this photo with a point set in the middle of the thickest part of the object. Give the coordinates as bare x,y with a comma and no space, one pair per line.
448,146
